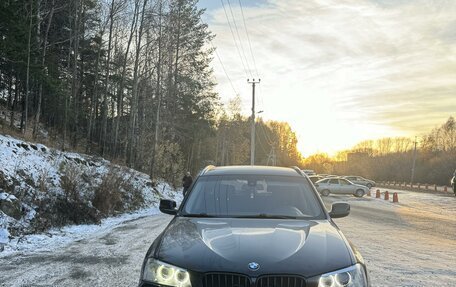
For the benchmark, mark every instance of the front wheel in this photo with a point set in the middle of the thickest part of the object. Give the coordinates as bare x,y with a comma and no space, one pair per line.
359,193
325,192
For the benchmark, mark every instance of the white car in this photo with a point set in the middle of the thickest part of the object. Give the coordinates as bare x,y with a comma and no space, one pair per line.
338,185
360,180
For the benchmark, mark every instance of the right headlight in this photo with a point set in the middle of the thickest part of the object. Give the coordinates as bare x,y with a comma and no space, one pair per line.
353,276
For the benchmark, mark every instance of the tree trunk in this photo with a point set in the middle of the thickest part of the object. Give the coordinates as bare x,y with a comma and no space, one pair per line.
133,112
158,93
43,60
66,99
94,98
104,108
122,78
14,103
176,60
27,81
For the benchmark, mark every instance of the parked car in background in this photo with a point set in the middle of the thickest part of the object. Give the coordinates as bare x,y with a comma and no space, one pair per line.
324,175
315,178
360,180
339,185
309,171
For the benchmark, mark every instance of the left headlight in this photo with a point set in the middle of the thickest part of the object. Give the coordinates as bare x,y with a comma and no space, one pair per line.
353,276
165,274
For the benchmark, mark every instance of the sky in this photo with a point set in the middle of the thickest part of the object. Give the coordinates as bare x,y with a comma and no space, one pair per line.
339,71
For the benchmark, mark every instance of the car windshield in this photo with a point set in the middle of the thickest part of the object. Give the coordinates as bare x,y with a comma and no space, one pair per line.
253,196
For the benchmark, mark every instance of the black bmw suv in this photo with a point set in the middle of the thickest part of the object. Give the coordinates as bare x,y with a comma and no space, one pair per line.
253,226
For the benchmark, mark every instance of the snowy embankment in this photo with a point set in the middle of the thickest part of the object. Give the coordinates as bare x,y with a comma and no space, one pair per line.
49,197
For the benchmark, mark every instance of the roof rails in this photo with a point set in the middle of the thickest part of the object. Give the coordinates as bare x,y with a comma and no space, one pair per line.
206,169
297,169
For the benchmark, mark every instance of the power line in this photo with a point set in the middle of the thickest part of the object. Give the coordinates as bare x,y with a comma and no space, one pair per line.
248,39
221,63
224,70
234,38
239,37
260,99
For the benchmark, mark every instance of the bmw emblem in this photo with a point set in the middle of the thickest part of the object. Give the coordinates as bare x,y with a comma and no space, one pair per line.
254,266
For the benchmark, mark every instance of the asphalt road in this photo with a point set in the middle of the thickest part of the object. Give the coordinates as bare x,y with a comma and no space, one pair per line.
411,243
407,244
112,258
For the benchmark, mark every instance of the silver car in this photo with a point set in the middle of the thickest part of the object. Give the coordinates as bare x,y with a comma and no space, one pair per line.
360,180
338,185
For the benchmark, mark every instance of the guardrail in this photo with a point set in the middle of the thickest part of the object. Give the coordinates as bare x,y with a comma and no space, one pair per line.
415,186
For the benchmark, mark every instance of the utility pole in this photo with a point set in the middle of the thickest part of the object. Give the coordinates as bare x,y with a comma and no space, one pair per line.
252,133
413,165
272,156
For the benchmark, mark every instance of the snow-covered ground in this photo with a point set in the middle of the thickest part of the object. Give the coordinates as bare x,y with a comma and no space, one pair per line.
60,237
110,257
31,174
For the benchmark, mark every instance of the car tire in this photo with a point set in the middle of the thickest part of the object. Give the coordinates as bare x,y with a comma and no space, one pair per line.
359,193
325,192
369,185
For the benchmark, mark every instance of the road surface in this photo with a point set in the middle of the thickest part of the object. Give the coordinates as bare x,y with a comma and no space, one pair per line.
411,244
408,244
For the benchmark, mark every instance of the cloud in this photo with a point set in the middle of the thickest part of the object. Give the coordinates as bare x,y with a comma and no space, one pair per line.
371,68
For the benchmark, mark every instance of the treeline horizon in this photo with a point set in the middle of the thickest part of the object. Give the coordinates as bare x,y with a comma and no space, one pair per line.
129,80
391,159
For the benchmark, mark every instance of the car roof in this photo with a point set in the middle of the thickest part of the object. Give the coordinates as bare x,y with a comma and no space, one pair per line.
333,177
248,169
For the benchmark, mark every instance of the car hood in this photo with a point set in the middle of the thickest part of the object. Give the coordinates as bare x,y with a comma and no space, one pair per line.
279,246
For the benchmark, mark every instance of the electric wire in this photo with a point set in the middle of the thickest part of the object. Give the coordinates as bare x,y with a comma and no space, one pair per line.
239,38
234,39
221,62
224,70
248,39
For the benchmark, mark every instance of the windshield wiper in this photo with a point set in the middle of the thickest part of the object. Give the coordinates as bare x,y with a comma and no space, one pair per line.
198,215
264,215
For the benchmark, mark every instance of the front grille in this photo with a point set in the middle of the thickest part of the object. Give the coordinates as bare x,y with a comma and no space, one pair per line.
225,280
280,281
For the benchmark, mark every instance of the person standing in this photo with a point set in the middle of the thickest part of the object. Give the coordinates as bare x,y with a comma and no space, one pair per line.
187,181
453,182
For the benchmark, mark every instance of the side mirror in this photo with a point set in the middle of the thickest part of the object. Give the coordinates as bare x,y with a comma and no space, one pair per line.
168,206
339,209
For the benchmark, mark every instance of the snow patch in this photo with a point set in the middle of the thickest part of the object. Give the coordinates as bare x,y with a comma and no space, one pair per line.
4,234
34,173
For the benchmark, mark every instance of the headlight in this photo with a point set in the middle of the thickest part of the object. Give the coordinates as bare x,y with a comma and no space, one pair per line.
165,274
353,276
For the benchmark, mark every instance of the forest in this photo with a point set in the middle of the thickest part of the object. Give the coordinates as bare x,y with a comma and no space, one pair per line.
432,157
129,80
